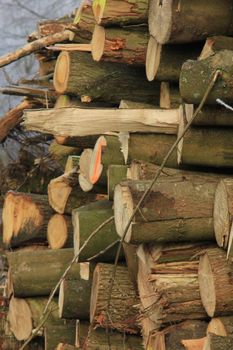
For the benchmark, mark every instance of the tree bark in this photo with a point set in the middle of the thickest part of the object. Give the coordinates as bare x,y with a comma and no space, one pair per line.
85,221
77,74
188,22
195,77
83,122
124,12
115,174
84,22
25,218
214,44
216,342
13,118
60,232
33,47
74,299
119,45
215,116
174,210
59,333
207,147
221,326
164,62
97,339
30,274
223,212
122,309
215,280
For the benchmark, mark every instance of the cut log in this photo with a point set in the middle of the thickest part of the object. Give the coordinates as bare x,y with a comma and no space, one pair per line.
150,148
97,339
195,78
194,344
33,47
164,62
13,118
115,174
221,326
223,212
215,44
215,279
115,12
25,218
216,342
187,22
174,210
82,329
84,22
72,163
161,288
70,47
59,333
46,67
107,151
60,232
210,116
134,105
74,299
130,252
82,122
119,45
77,74
31,277
85,161
60,153
37,93
53,26
172,337
206,147
19,316
85,221
80,142
122,309
169,95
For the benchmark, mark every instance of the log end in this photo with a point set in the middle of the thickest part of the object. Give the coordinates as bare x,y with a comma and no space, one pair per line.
123,209
97,43
96,166
207,286
160,20
61,72
221,216
84,184
153,56
20,318
61,299
58,194
57,231
217,327
98,7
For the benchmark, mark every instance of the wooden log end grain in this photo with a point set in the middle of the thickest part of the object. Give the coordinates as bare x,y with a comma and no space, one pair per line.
57,231
152,58
61,73
98,42
160,20
20,318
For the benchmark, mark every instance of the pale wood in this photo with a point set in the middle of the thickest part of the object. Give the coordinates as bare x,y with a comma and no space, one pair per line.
60,232
221,326
20,318
82,122
169,95
70,47
214,44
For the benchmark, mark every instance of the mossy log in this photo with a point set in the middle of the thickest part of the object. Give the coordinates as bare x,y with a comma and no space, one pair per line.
74,298
77,74
60,153
120,45
214,116
164,62
214,44
60,232
207,147
223,212
189,21
196,76
171,337
25,218
37,272
215,280
174,210
107,151
115,174
169,95
97,339
217,342
55,334
122,308
123,12
85,221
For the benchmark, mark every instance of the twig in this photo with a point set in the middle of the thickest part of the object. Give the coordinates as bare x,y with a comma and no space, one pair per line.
157,174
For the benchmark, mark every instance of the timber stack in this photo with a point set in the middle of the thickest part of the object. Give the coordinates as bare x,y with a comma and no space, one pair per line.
90,265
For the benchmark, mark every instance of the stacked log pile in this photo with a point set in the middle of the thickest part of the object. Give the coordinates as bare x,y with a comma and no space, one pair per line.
90,268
